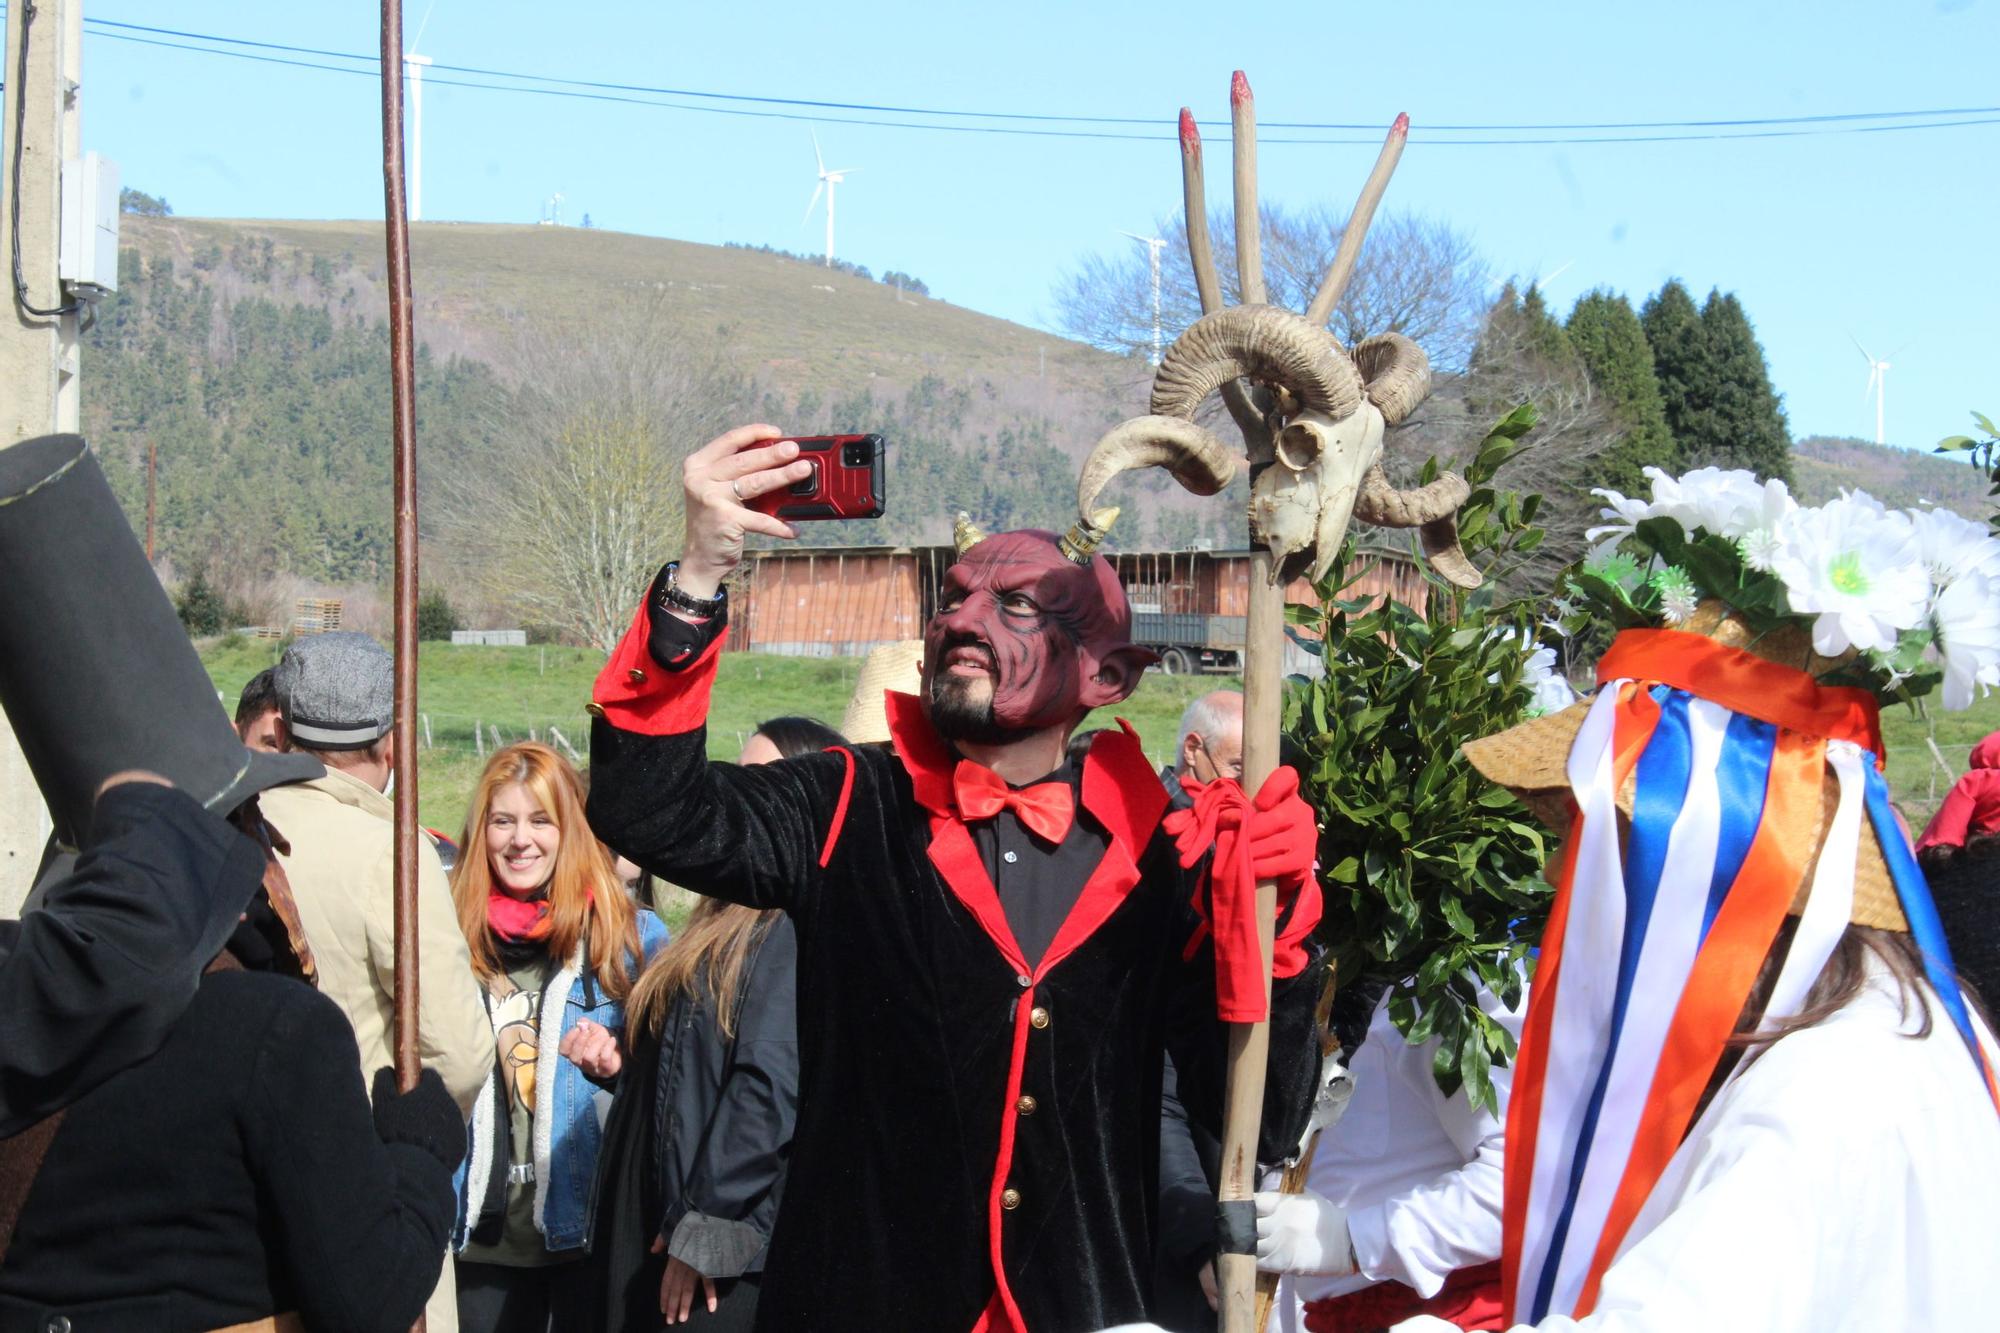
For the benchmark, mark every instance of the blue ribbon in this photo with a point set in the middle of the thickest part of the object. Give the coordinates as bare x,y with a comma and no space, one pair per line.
1914,892
1660,792
1742,780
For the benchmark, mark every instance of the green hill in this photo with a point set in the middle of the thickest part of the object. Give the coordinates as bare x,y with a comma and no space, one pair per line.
252,356
801,326
1824,465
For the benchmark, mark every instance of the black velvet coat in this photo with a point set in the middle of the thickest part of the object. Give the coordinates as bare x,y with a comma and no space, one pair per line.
978,1140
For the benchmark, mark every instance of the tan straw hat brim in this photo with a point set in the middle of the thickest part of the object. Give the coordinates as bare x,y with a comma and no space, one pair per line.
890,666
1531,760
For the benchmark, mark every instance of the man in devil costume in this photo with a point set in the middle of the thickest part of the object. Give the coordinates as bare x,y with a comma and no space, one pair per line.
995,946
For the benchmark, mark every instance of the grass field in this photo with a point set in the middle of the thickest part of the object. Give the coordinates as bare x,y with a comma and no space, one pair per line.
519,692
522,690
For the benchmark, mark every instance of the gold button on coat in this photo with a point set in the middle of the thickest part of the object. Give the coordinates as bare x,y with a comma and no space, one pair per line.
1026,1106
637,676
1038,1016
1010,1199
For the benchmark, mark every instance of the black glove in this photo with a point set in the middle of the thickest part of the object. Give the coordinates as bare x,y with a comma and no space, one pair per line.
424,1117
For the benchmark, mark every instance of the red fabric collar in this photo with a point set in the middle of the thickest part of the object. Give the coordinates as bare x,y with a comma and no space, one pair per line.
1120,790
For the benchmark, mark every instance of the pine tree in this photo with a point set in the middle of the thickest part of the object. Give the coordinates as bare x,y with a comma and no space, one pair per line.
1683,367
1748,413
1544,336
1606,336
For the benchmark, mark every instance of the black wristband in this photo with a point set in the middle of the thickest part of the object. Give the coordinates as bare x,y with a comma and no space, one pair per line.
668,596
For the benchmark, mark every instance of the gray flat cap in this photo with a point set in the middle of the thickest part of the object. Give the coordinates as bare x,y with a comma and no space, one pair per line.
337,691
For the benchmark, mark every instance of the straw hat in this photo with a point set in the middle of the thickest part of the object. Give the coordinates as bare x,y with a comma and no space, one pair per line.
889,666
1531,760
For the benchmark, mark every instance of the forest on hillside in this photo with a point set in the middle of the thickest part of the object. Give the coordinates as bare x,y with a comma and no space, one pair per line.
256,372
268,422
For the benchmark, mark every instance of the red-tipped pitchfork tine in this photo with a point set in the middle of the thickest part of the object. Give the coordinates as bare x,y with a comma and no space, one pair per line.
1312,415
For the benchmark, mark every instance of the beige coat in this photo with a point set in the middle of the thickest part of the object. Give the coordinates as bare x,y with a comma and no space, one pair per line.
341,871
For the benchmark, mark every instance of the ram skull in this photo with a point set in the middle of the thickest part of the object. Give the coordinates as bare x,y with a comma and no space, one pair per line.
1312,413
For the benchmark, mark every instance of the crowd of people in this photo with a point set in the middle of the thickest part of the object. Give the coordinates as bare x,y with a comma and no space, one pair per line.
940,1047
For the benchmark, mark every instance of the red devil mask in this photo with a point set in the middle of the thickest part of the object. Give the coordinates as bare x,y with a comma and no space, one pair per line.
1024,640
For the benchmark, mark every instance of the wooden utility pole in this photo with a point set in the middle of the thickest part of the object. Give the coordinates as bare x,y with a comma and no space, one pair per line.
38,336
403,430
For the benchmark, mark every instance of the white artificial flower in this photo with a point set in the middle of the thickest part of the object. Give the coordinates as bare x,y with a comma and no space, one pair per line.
1624,515
1967,613
1729,503
1678,596
1759,548
1551,692
1950,546
1855,568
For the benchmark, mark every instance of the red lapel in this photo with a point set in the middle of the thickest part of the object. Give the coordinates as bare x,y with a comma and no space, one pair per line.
1120,791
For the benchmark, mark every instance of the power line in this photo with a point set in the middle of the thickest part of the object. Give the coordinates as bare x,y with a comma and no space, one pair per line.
1862,122
1739,122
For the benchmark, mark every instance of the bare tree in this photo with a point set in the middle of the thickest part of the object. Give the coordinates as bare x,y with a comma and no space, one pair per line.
1417,276
1518,360
577,499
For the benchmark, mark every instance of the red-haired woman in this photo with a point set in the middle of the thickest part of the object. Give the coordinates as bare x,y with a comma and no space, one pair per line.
699,1138
557,943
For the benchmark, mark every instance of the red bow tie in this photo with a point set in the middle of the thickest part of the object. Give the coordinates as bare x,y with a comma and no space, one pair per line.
1046,808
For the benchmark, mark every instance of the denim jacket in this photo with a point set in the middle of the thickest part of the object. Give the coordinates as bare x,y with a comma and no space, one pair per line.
569,1114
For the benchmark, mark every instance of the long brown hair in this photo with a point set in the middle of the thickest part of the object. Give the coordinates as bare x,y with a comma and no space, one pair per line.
1839,984
586,901
718,938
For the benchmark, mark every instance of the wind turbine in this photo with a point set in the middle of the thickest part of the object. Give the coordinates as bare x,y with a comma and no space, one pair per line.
1878,384
1153,246
827,180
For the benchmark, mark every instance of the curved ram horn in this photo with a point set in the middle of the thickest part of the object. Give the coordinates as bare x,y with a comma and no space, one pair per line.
1396,373
1432,510
965,534
1256,342
1197,460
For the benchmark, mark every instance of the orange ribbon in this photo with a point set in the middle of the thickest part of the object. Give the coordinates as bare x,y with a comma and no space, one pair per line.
1745,683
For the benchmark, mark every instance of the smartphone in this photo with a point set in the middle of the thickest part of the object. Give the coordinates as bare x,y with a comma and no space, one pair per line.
846,480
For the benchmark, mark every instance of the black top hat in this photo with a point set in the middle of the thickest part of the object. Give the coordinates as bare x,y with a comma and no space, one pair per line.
96,673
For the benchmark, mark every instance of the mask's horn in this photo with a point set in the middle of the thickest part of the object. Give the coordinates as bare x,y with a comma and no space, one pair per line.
1080,543
965,534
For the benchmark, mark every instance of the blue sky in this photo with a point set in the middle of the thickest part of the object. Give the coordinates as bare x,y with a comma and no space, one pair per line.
1886,237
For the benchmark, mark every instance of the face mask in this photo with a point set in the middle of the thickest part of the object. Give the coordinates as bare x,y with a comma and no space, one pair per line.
1024,640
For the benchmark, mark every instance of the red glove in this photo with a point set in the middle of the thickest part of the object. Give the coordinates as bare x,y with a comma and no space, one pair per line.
1274,837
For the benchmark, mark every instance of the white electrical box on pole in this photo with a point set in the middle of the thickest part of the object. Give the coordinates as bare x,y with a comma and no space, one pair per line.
59,234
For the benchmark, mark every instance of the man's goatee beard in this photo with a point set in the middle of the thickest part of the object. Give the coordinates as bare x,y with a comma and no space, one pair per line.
956,717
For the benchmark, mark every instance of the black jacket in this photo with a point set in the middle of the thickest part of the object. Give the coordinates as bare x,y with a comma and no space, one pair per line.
236,1174
94,979
700,1135
964,1121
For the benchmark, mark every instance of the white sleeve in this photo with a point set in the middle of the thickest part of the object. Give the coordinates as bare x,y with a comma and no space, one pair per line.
1423,1235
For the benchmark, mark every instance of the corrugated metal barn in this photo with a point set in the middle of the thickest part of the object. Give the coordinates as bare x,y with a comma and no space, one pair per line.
842,601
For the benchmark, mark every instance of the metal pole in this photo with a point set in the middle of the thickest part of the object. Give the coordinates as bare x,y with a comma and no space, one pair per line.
402,385
152,466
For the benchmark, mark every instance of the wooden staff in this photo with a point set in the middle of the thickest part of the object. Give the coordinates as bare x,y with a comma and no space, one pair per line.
402,397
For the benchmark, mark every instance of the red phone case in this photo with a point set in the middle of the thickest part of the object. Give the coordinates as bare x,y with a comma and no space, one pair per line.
846,481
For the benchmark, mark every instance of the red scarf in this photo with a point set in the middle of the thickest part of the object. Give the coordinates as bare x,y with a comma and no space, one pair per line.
517,919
